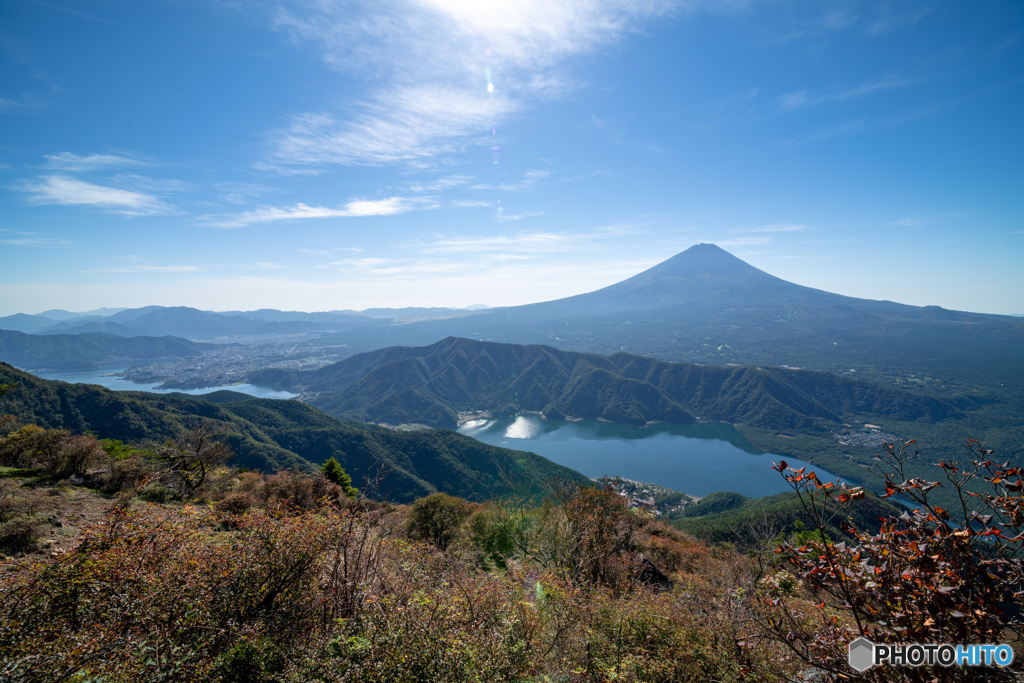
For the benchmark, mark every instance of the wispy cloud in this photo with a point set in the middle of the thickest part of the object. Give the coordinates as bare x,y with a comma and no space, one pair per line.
909,223
67,161
404,268
530,179
240,193
779,227
807,98
46,242
524,242
145,268
439,73
831,131
164,269
742,241
153,184
354,209
813,18
446,183
67,191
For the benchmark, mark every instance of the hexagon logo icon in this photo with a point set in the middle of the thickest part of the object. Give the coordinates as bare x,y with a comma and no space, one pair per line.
862,654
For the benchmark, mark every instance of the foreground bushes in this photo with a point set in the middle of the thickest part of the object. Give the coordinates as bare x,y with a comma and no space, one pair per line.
930,575
341,594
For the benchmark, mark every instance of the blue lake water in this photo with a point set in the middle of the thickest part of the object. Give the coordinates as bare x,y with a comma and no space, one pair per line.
106,377
697,459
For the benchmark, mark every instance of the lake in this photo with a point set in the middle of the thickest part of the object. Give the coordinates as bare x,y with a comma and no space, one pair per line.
106,377
697,459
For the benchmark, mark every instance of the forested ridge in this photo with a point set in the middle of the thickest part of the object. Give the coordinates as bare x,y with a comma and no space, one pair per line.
431,384
270,434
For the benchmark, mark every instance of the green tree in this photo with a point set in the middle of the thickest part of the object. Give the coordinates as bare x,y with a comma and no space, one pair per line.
335,473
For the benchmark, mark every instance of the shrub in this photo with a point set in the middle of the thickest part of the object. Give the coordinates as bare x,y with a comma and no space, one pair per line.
162,595
19,533
584,534
491,537
30,446
127,474
236,502
436,518
190,458
72,455
20,527
301,489
928,575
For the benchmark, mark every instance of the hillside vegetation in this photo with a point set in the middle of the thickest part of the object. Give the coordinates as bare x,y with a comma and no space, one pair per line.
238,576
77,352
271,434
432,384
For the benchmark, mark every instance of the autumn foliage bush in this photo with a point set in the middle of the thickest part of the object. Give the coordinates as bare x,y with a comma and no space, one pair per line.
931,575
339,593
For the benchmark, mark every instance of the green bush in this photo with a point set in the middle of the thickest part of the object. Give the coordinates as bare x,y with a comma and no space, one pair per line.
436,518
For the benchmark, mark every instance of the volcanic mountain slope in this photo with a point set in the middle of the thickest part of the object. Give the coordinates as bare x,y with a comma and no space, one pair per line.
705,305
432,384
270,434
702,305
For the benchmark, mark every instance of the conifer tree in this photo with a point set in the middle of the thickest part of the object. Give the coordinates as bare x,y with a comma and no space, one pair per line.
334,472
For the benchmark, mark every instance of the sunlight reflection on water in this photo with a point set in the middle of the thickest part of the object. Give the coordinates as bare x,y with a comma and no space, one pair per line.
697,458
524,428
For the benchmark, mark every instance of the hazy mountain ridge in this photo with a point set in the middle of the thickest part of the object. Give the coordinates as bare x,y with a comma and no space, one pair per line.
702,305
269,434
432,384
66,352
196,324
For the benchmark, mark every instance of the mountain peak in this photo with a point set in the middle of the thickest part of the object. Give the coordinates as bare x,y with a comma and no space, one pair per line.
701,260
701,273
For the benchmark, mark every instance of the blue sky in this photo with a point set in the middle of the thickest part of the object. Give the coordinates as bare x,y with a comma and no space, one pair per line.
316,155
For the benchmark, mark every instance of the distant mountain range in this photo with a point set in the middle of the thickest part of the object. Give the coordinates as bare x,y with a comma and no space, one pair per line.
271,434
194,324
432,384
77,352
702,305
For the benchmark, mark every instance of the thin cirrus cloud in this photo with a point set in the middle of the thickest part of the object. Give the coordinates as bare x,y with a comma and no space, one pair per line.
380,207
451,69
67,161
779,227
68,191
35,242
834,130
805,98
400,268
144,268
531,243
